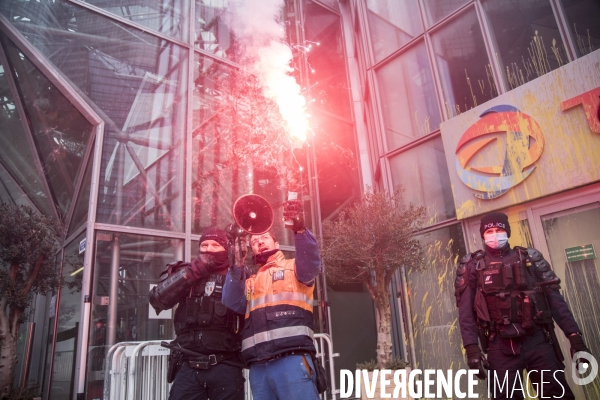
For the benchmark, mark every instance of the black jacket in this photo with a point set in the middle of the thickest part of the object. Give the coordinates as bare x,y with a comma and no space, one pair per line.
466,285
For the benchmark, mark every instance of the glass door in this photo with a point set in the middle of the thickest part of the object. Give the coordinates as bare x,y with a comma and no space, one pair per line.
569,238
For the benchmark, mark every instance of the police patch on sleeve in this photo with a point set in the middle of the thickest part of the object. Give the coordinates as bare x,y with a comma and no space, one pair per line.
278,275
209,288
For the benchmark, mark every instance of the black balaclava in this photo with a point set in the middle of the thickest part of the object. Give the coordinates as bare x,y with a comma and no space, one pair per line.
219,259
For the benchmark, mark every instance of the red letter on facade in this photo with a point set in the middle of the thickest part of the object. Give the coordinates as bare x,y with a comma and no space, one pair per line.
591,106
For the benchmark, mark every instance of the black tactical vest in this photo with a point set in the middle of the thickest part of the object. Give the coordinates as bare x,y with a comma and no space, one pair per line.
514,300
203,323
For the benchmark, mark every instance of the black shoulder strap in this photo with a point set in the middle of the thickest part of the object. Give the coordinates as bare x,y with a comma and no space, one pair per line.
479,257
523,253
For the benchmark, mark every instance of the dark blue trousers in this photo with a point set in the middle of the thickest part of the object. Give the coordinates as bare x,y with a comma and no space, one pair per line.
219,382
534,354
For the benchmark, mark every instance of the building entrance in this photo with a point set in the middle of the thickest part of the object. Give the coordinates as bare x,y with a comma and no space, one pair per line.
566,229
572,241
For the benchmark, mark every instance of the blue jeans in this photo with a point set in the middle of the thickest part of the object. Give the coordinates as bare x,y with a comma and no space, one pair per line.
284,378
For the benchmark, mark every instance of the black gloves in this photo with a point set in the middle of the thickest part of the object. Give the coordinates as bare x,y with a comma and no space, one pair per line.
209,263
476,360
198,267
577,344
292,211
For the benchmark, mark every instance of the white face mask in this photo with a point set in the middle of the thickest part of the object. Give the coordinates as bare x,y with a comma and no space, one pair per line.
495,240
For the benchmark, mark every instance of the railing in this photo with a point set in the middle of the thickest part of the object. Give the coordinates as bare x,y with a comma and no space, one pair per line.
326,355
138,370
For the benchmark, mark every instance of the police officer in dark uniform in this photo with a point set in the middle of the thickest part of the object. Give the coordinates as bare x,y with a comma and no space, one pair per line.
508,298
205,357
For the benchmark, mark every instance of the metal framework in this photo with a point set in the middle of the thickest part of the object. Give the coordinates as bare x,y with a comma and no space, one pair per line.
101,122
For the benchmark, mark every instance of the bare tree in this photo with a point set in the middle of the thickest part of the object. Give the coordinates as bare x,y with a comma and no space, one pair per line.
366,244
28,247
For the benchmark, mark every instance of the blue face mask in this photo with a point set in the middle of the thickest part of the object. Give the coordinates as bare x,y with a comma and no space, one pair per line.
495,240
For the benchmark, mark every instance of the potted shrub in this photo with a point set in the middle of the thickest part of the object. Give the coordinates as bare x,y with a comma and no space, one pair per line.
368,243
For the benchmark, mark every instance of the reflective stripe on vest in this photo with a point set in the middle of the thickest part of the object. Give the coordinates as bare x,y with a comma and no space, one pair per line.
279,297
278,333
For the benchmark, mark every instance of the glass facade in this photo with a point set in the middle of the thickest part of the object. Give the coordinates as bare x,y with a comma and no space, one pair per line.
432,302
392,25
463,64
527,38
166,17
138,260
581,275
407,92
180,133
582,18
422,63
18,151
140,111
423,173
435,10
69,318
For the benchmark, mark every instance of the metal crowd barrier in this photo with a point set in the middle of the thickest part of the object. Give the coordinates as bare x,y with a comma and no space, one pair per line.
138,370
326,355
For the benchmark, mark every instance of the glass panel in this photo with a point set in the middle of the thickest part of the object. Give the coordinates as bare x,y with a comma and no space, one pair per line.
336,163
169,17
582,18
392,25
137,83
326,58
135,262
580,273
237,148
69,309
423,173
19,366
463,64
527,39
438,343
11,193
143,169
408,98
15,153
48,357
217,175
331,3
83,200
195,249
212,29
61,133
435,10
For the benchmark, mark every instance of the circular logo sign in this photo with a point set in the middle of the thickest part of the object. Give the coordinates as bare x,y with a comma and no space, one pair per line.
524,145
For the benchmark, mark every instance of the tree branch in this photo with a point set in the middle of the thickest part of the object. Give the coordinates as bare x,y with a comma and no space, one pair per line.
32,276
4,326
14,269
14,321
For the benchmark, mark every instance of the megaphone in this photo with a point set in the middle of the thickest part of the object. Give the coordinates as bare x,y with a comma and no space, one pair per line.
253,214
